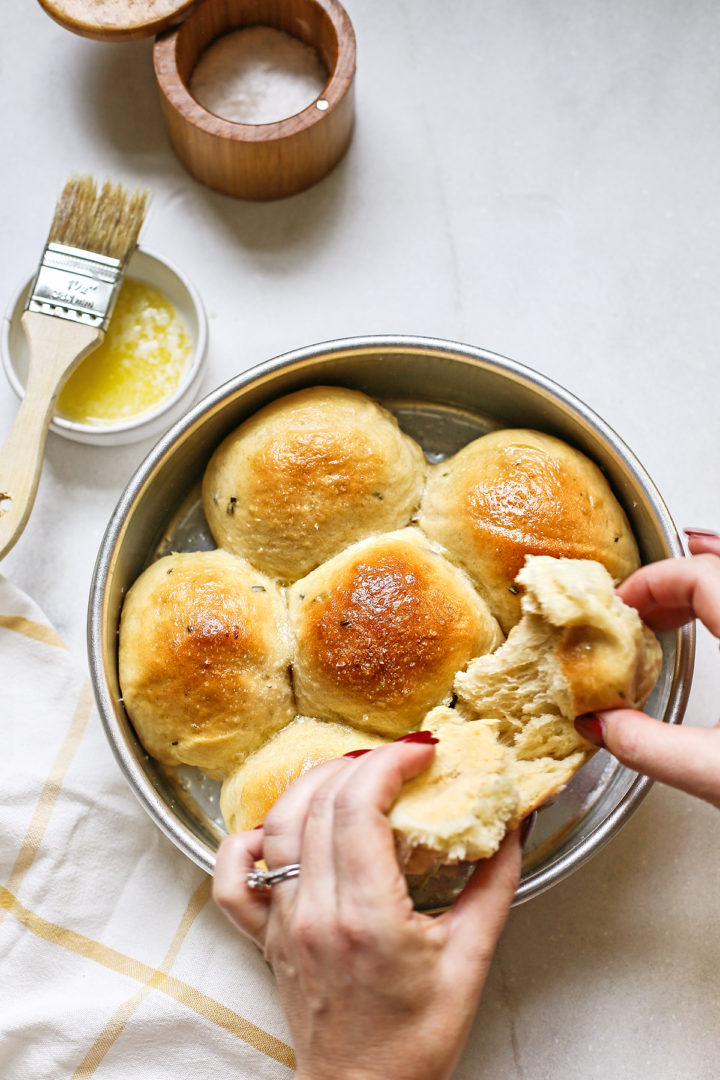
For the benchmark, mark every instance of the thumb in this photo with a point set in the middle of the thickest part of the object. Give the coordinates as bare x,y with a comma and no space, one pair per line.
477,917
687,758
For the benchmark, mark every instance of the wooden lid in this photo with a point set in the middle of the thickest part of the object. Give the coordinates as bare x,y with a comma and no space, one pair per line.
117,20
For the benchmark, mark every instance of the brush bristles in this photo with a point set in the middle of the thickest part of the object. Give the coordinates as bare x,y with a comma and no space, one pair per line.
105,222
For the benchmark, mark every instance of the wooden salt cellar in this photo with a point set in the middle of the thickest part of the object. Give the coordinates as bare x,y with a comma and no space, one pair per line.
259,161
248,161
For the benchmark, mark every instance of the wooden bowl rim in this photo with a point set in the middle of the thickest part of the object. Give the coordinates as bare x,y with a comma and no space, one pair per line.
178,95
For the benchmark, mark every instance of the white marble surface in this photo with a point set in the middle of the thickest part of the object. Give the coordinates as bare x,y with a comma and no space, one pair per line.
537,178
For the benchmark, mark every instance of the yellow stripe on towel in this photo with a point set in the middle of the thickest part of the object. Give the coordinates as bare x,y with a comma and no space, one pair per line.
35,630
51,790
176,989
122,1015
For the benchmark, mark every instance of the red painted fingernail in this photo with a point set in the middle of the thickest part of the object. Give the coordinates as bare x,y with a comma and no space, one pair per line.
357,753
426,737
526,829
592,728
702,532
257,826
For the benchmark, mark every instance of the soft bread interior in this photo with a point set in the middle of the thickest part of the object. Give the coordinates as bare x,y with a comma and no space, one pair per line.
576,648
459,807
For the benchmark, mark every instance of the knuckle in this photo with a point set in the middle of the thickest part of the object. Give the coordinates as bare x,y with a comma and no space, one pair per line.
277,955
272,824
348,804
276,822
223,895
306,930
229,873
354,930
322,805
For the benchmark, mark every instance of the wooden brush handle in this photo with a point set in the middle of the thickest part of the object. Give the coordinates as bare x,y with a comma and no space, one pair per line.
56,347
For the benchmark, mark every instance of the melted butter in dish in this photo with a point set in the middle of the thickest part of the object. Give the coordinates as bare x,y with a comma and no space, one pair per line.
139,365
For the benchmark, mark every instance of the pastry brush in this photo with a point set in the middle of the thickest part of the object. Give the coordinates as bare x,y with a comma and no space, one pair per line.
93,233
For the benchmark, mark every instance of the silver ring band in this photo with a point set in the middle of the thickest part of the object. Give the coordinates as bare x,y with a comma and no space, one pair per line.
265,879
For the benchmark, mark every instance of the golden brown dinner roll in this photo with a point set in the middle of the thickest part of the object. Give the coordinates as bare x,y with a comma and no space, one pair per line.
381,630
252,789
515,492
203,659
308,475
577,648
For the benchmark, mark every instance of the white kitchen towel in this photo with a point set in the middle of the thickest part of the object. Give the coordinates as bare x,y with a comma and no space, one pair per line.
114,961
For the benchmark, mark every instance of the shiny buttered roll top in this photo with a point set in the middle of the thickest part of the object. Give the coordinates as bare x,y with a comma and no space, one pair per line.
514,493
204,655
308,475
381,630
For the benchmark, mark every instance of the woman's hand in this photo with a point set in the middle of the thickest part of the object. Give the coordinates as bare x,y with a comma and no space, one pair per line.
371,988
668,594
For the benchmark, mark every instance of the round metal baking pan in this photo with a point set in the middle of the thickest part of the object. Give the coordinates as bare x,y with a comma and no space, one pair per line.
444,394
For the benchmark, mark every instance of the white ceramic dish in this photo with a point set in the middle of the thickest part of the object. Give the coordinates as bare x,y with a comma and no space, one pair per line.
154,270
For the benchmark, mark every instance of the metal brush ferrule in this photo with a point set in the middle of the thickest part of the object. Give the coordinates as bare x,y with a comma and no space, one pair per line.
77,285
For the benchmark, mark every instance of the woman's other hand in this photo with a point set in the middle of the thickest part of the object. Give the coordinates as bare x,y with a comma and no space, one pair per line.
371,988
668,594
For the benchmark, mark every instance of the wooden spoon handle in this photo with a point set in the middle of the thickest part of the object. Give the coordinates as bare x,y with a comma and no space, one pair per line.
56,347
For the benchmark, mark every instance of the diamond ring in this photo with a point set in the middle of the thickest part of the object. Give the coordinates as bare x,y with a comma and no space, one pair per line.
265,879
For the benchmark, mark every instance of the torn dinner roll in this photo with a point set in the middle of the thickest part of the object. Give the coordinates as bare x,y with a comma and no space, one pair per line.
577,648
518,492
459,807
